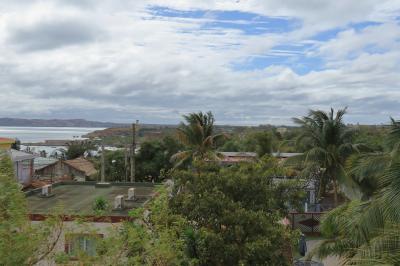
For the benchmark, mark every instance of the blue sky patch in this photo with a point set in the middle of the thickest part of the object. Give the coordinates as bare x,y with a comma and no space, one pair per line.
248,23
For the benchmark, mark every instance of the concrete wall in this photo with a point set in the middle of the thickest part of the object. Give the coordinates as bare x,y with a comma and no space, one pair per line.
70,171
24,171
104,229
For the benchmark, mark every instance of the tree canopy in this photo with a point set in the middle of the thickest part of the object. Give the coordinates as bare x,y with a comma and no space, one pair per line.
367,232
197,135
21,243
329,144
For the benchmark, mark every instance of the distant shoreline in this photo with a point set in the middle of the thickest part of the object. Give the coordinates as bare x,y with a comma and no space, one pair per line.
75,123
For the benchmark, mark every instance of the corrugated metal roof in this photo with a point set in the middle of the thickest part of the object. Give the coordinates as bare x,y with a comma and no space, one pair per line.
285,154
239,154
17,156
41,162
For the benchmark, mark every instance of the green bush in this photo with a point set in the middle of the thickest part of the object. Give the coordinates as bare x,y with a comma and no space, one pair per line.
100,204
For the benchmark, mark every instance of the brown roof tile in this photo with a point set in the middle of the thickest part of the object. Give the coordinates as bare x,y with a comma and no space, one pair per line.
82,165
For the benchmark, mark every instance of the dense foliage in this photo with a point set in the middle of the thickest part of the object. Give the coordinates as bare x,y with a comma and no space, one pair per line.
236,213
21,243
211,217
153,161
154,158
262,142
197,135
78,148
329,144
367,232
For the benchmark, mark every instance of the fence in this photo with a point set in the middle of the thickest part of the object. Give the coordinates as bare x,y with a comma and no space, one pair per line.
307,222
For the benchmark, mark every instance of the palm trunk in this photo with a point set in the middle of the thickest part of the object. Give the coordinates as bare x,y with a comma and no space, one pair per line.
335,192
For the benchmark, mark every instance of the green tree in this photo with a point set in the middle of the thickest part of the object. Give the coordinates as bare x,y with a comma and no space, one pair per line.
235,213
156,236
16,145
150,159
329,145
264,142
198,137
223,217
154,157
78,148
367,232
231,145
22,243
114,167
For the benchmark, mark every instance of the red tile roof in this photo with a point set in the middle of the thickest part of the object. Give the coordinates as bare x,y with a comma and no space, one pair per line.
7,140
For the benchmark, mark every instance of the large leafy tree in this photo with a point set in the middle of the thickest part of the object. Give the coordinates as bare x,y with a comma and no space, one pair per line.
152,160
154,157
78,148
199,138
329,145
235,213
22,243
222,217
367,232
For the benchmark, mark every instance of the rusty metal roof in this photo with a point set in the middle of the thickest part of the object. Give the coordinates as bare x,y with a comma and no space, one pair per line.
82,165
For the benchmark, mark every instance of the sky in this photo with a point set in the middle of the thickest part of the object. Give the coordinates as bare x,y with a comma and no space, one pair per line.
248,61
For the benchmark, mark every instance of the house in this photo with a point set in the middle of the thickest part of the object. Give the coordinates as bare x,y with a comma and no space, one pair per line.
80,169
48,168
281,130
229,158
82,227
23,166
285,155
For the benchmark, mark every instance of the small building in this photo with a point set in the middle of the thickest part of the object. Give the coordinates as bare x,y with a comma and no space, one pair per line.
281,130
79,169
23,166
82,226
285,155
48,168
229,158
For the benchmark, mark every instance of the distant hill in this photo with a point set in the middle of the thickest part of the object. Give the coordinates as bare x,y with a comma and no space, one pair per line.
18,122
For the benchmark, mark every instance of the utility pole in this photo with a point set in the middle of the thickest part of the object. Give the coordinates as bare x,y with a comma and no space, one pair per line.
133,148
126,164
102,163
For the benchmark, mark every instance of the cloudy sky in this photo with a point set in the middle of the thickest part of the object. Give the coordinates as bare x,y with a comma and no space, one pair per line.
248,61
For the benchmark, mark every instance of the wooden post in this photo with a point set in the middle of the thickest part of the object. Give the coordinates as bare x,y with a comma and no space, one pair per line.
102,163
312,226
126,164
133,148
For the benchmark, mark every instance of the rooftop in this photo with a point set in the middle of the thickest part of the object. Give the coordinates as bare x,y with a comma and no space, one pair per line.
77,198
41,162
7,141
82,165
239,154
285,154
18,156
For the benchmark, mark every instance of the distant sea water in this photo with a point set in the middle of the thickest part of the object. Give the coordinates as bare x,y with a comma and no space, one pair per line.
40,134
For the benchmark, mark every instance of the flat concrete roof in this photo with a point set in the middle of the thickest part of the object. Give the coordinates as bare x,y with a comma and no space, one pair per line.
78,199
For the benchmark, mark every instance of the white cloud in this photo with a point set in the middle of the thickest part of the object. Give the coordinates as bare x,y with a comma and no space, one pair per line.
112,60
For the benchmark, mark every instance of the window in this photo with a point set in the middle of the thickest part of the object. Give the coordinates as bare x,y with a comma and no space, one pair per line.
79,244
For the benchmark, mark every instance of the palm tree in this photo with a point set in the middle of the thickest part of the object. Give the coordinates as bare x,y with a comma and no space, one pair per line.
197,134
368,232
329,145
